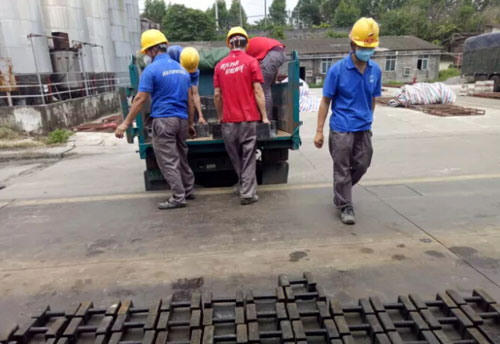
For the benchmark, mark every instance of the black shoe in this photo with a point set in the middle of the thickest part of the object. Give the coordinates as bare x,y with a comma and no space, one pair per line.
2,186
191,197
247,201
170,204
347,215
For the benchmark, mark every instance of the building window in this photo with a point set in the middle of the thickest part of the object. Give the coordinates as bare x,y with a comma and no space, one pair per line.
406,72
423,62
325,65
390,63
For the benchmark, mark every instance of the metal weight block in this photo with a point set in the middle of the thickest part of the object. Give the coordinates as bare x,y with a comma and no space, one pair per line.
202,130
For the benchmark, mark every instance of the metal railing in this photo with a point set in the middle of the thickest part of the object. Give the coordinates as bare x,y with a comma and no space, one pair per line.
37,89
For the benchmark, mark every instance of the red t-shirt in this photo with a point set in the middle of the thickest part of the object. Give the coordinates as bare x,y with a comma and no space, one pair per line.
258,47
235,76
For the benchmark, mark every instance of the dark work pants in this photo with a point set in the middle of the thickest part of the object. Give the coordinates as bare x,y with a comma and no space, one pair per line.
352,155
270,66
240,140
169,143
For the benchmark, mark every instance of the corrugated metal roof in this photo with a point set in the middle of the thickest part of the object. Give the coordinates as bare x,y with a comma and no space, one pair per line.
335,45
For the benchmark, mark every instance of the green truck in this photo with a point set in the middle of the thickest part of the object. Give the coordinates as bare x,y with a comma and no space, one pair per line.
207,156
481,59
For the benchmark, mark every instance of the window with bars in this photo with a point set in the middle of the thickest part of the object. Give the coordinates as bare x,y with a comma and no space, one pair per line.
325,65
390,63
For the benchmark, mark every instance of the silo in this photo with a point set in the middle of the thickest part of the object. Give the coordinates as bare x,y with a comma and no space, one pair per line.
100,33
69,16
120,36
134,25
18,19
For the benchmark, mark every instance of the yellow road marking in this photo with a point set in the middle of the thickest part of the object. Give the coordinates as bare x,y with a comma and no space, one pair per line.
263,188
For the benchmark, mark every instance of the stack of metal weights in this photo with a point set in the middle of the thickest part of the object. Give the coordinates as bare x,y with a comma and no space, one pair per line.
295,311
264,131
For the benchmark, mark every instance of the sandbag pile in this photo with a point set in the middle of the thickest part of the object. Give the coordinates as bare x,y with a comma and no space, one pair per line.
424,94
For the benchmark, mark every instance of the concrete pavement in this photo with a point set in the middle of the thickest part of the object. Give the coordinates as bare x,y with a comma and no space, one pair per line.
428,219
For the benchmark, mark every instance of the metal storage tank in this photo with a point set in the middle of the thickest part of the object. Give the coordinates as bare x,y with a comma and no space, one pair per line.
19,18
100,33
120,36
134,25
69,16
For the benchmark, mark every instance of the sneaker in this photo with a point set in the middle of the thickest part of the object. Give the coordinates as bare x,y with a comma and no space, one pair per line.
247,201
191,197
170,204
347,216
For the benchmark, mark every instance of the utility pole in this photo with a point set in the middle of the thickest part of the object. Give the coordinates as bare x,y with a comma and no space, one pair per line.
298,15
216,16
241,17
265,12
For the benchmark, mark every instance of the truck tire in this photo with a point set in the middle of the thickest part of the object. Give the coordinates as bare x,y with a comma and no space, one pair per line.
496,82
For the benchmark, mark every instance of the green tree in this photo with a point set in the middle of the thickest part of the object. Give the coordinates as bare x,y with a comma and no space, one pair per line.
223,14
277,12
234,14
187,24
155,10
328,8
307,13
346,14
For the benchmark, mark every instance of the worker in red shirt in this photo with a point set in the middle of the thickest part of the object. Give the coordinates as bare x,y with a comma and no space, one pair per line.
271,55
238,98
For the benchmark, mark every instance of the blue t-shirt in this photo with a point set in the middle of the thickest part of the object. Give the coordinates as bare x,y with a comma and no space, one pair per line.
168,84
195,78
352,94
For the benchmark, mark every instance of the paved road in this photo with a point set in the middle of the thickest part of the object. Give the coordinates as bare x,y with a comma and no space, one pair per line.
428,219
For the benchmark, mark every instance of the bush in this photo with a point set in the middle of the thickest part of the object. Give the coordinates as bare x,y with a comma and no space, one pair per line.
278,32
335,34
7,134
448,73
58,136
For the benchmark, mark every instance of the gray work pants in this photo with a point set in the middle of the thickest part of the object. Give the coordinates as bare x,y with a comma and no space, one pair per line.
352,155
169,143
269,67
240,140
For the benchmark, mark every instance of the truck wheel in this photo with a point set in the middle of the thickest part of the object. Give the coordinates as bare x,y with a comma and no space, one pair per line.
496,83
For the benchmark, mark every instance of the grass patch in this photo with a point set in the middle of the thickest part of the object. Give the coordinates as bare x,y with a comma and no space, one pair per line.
20,144
58,136
393,83
319,85
446,74
8,134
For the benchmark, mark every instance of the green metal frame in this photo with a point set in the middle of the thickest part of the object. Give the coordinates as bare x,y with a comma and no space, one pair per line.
206,88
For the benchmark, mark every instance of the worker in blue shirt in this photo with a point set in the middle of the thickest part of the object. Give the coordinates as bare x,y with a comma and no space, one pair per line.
351,86
172,111
190,60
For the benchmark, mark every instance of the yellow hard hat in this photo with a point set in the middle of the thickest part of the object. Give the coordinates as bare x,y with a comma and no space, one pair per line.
150,38
365,33
237,30
190,59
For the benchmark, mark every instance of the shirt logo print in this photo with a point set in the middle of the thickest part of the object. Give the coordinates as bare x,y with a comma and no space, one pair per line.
372,79
232,68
